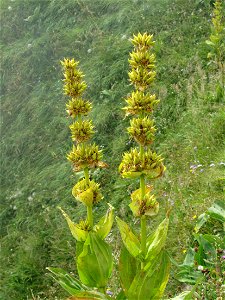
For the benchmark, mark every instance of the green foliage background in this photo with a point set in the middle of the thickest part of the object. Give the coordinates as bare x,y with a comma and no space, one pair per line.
35,176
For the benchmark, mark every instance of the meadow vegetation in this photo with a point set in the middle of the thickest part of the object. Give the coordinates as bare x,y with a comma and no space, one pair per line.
35,175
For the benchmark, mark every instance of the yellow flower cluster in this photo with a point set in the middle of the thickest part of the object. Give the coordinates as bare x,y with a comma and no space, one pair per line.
147,206
81,130
140,103
76,107
86,156
142,130
134,164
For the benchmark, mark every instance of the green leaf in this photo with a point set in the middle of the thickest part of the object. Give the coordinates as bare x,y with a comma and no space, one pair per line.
156,241
105,224
95,262
78,233
68,282
188,274
131,242
189,258
217,211
128,267
202,219
206,251
151,284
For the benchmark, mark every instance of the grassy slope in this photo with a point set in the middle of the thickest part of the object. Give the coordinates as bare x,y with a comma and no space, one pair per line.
35,176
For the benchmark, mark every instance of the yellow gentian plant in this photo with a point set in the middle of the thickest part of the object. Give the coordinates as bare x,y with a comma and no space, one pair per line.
93,254
144,266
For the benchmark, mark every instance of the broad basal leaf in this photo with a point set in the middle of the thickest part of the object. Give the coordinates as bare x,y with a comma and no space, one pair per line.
217,211
156,241
95,262
128,267
151,284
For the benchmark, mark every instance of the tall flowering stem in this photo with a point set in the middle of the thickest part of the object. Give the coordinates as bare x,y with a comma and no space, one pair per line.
94,256
143,163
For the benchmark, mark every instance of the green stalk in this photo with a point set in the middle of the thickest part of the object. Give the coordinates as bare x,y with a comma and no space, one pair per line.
143,218
89,208
86,175
90,216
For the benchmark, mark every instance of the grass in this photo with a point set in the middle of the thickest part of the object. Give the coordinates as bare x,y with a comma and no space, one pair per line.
35,177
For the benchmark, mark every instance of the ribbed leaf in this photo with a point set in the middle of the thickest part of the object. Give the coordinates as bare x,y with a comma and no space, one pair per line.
151,284
130,240
128,267
217,211
156,241
95,262
105,224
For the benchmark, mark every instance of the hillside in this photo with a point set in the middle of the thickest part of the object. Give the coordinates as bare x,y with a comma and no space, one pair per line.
35,175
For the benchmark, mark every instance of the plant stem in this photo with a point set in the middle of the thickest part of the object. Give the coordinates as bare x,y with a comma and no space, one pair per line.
90,215
86,175
89,208
143,220
143,238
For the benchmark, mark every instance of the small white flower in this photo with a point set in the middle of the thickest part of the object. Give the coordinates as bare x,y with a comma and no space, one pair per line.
200,268
89,51
9,7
